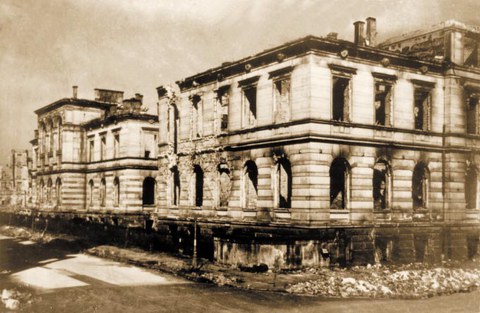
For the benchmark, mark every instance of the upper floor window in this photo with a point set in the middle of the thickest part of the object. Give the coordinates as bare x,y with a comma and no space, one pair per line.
341,92
91,150
283,186
249,101
197,116
103,147
422,109
222,100
116,145
150,144
250,185
281,94
382,186
383,102
473,114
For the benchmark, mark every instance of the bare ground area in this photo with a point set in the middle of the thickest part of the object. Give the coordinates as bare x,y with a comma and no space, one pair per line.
22,251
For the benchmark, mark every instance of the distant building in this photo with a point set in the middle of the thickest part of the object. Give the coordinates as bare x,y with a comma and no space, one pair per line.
20,177
6,186
322,150
95,155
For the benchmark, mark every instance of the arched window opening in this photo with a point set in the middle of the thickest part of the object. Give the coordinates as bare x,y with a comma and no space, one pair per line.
175,186
49,191
224,185
420,186
284,183
339,184
91,189
103,192
382,186
149,191
472,188
198,173
250,188
116,192
58,187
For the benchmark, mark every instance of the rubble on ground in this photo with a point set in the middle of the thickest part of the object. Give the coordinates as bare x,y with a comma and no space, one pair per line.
409,281
12,298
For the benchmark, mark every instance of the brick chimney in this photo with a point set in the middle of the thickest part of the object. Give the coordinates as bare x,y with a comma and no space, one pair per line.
75,92
139,97
359,38
371,39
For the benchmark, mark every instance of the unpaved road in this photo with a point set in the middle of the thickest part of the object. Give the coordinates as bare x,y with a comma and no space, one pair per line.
64,282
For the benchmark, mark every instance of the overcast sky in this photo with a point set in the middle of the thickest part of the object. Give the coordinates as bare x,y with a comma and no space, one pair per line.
47,46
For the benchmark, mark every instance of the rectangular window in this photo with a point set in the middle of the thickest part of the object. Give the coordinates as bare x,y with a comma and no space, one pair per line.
149,142
472,115
422,108
341,91
91,150
249,103
197,116
383,103
281,106
116,146
103,147
222,97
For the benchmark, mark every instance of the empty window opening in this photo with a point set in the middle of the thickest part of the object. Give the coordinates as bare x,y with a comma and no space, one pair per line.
282,100
103,192
58,187
341,99
149,191
284,183
116,191
198,173
472,198
49,191
91,150
175,186
116,145
223,103
383,104
472,115
41,191
225,186
339,184
197,115
422,109
383,250
249,106
382,182
420,185
103,148
250,185
91,190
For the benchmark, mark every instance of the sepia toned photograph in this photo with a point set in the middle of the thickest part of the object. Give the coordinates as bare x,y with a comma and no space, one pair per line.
240,156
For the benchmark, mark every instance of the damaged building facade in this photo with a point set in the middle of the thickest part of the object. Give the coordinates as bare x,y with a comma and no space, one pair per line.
323,151
94,156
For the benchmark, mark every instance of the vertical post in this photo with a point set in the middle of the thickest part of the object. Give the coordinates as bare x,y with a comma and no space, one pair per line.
194,261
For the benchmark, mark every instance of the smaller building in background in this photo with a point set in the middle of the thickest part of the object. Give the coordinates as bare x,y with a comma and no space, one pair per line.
95,155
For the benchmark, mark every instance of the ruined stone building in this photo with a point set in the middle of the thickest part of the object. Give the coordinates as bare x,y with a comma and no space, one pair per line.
94,155
14,180
323,150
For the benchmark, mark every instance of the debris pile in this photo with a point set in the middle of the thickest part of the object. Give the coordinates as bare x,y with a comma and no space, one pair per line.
12,298
377,281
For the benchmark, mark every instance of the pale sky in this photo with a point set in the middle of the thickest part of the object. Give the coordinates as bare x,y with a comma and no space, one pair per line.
47,46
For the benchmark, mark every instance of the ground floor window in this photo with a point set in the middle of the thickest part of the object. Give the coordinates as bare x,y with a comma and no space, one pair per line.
382,182
420,186
149,191
339,184
472,188
250,186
